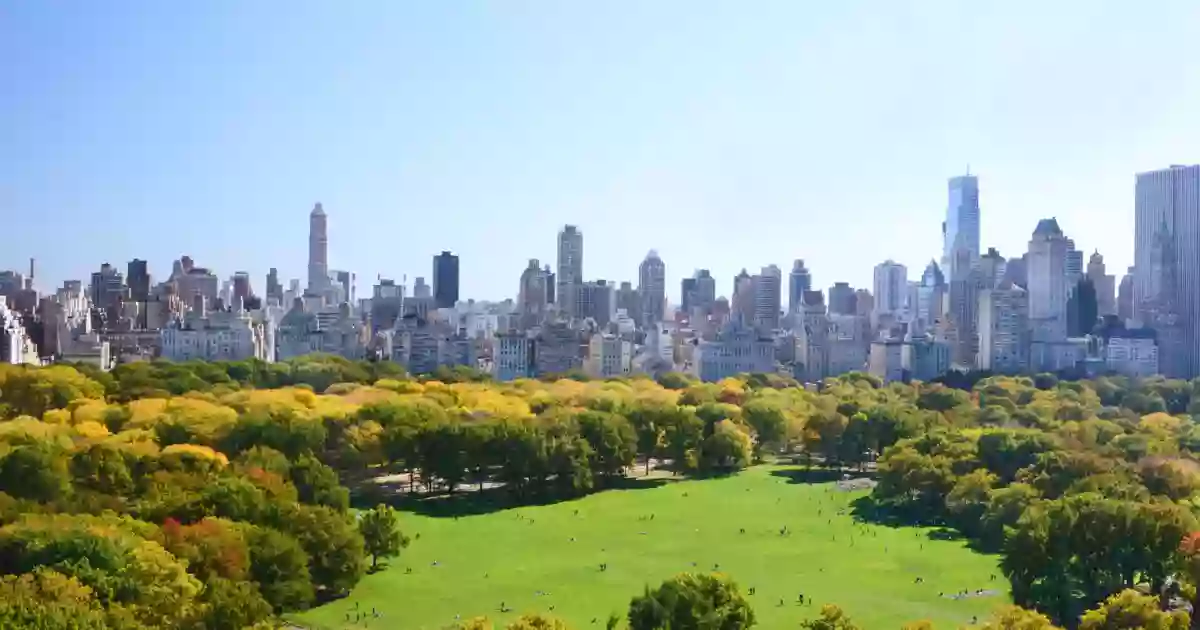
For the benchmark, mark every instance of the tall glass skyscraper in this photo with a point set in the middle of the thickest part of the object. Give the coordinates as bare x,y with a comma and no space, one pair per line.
1166,278
961,229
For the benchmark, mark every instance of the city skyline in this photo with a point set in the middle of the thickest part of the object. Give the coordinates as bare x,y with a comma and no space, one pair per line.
525,139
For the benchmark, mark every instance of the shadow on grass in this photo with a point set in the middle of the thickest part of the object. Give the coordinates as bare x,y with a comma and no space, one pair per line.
475,502
817,475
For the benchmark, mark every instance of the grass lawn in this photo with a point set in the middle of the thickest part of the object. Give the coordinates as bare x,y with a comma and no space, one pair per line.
509,555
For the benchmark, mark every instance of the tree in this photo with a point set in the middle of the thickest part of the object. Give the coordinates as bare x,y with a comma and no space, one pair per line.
318,484
767,419
380,529
1131,610
1068,555
230,605
691,600
727,449
35,471
50,600
831,618
332,542
280,568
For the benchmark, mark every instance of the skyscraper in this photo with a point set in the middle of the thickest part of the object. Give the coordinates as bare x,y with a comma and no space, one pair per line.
930,297
137,278
992,268
1003,329
842,300
652,286
799,281
274,287
891,285
1048,283
1166,282
687,293
706,291
767,289
1104,283
570,268
318,250
961,229
1125,297
445,280
532,296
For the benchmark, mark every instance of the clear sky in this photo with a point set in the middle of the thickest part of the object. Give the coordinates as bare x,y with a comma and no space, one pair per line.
724,134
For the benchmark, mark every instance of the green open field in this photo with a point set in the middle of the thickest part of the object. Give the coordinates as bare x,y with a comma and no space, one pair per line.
510,555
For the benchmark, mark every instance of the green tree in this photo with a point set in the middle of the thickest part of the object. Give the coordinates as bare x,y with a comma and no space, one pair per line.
336,557
689,600
380,529
728,449
230,605
318,484
35,471
280,568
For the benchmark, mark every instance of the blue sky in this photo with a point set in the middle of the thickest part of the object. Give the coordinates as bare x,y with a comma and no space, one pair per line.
723,134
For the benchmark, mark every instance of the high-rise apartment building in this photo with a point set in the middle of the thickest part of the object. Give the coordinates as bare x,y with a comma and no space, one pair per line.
1049,287
570,268
799,281
445,280
687,293
1125,311
241,288
961,229
630,301
742,305
767,297
842,300
706,291
137,278
652,286
107,288
421,289
532,295
318,250
597,300
930,297
274,286
1003,329
992,268
891,287
1166,283
1105,284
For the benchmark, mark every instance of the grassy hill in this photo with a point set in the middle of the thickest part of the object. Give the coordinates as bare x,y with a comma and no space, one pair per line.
470,565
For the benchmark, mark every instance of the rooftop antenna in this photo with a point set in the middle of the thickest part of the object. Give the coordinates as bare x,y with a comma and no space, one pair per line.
968,168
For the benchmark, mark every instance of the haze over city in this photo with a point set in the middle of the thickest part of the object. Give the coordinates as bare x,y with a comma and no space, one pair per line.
721,137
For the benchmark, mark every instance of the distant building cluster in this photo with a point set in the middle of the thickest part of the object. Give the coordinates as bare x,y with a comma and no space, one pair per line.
969,308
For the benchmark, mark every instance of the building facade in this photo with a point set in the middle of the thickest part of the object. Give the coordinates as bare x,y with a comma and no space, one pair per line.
652,287
570,268
1166,283
737,348
445,280
1004,329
